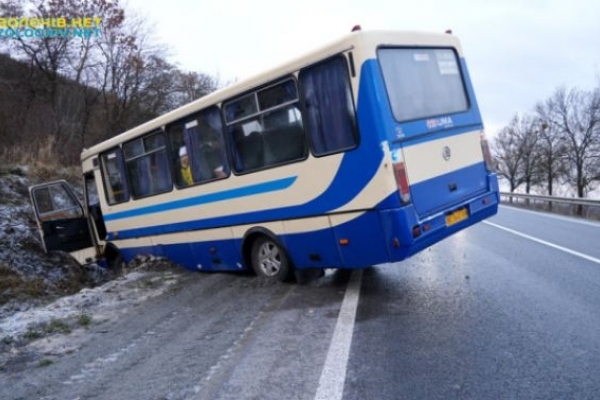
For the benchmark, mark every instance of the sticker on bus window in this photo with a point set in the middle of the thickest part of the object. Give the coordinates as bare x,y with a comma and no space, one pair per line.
447,67
420,57
191,124
446,61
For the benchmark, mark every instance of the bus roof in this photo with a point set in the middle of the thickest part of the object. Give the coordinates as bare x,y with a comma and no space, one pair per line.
369,40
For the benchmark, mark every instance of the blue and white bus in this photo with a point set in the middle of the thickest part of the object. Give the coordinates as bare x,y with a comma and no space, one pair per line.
365,151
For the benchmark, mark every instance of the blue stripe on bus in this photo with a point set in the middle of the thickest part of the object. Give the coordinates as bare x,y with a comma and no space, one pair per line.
265,187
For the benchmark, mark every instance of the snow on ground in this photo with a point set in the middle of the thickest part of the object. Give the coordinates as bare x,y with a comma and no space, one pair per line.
100,303
39,333
48,301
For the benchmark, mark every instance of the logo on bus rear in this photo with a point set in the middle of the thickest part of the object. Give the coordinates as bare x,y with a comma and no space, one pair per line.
446,153
443,122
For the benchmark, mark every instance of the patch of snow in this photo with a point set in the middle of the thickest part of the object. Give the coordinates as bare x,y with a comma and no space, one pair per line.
100,303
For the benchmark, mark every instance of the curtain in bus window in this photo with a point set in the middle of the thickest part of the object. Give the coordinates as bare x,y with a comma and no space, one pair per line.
236,133
163,175
193,143
190,140
215,152
145,178
329,106
140,177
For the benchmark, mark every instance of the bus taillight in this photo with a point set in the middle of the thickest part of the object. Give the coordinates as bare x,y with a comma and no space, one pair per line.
485,149
402,181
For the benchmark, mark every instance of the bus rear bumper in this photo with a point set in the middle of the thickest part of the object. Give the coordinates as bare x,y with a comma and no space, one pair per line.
407,235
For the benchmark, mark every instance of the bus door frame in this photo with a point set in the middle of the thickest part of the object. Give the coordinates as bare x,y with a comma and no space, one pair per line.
63,222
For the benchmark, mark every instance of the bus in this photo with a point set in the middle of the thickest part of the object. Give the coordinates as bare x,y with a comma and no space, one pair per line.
365,151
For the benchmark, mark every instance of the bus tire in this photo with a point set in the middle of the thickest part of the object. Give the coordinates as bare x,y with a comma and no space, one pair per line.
269,259
114,258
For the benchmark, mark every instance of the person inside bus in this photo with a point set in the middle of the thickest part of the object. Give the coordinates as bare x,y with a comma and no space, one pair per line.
186,170
214,159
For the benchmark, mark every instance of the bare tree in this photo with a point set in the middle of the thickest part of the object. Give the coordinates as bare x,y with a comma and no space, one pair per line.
192,85
136,81
62,66
575,115
45,55
82,89
550,149
514,151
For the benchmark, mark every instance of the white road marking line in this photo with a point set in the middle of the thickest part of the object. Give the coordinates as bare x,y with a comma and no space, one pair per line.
333,376
555,246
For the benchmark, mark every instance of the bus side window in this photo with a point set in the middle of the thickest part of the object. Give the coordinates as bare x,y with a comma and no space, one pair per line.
251,150
198,148
147,164
179,156
330,116
284,140
266,127
113,175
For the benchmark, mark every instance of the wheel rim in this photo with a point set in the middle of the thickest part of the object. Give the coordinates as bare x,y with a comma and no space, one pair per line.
269,259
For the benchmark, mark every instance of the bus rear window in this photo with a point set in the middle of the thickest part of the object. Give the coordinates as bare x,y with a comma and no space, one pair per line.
422,83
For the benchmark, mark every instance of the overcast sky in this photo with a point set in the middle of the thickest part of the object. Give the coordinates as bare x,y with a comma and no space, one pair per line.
518,51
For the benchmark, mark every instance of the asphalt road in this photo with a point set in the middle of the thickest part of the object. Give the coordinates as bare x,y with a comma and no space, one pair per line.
507,309
489,314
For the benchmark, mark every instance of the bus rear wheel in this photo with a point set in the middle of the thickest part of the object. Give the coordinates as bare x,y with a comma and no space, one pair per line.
270,260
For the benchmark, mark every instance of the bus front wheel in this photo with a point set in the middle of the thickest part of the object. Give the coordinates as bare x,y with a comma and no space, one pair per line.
270,260
114,258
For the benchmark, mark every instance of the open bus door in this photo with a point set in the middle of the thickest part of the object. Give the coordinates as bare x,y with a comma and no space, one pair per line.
61,220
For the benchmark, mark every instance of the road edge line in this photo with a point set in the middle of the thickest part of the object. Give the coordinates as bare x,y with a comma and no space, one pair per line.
549,244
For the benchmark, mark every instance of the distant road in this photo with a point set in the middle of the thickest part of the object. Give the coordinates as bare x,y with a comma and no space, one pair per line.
508,309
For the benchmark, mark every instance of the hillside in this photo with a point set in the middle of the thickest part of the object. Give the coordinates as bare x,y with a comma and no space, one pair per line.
28,276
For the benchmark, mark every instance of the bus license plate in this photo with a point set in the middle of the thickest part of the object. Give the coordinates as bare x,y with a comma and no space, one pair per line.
456,216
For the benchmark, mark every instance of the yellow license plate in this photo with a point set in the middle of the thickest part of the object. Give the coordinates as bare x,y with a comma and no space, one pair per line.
456,216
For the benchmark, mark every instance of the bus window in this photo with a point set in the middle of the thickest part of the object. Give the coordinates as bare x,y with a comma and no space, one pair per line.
241,108
198,148
422,82
113,174
266,127
330,117
147,165
277,95
284,135
54,203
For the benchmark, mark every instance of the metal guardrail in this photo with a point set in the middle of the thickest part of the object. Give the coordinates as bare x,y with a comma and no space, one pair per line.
552,199
586,208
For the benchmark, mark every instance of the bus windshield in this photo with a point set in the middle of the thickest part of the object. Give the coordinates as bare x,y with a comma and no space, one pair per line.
422,82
